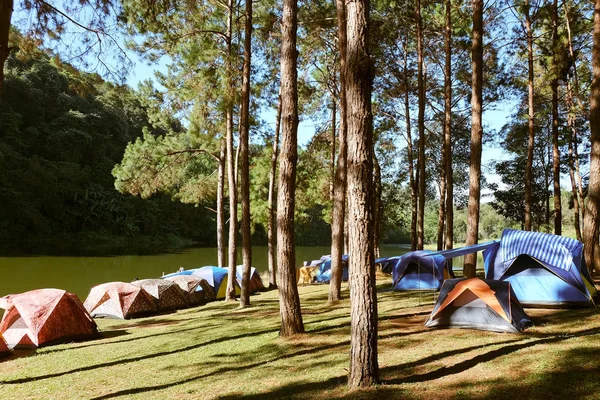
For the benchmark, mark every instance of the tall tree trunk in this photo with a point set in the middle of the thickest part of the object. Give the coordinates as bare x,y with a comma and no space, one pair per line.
448,129
409,148
289,301
339,191
547,178
531,142
572,56
272,228
442,206
364,369
6,9
574,191
590,230
576,211
332,150
245,159
555,150
579,103
221,248
476,137
376,205
231,162
421,126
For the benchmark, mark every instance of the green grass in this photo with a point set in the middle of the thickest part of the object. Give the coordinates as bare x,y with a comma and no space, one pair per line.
219,351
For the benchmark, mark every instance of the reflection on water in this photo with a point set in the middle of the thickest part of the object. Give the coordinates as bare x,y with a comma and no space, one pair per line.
79,274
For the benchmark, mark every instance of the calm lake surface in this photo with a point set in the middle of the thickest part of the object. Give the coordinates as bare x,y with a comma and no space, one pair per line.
78,274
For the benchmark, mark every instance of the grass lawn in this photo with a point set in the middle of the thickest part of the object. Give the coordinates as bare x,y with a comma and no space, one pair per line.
219,351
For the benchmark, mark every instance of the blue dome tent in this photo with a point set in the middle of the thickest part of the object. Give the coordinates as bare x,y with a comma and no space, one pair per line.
387,264
543,269
420,270
324,275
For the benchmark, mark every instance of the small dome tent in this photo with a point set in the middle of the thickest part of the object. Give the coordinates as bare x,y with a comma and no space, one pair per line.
543,269
119,300
44,316
197,289
167,295
387,263
217,278
420,270
324,275
255,283
478,304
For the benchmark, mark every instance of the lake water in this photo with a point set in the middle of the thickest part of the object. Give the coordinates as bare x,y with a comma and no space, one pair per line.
78,274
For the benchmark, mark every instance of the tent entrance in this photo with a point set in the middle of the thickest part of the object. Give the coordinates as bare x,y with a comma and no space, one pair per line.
535,284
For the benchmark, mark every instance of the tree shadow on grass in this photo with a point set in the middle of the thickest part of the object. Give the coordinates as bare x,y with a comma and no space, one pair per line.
302,389
306,351
140,358
389,388
112,334
151,322
574,376
478,359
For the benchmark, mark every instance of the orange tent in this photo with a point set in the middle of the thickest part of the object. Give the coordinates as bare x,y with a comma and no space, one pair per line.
478,304
119,300
42,316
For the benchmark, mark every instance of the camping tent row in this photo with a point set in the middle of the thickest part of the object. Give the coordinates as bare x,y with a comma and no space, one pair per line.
145,297
150,296
43,316
542,269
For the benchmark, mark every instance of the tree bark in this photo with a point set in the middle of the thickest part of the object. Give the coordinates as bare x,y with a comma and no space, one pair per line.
409,149
476,137
555,149
231,161
579,103
376,205
421,126
332,153
576,211
339,191
448,129
547,177
590,230
442,206
364,369
272,228
245,159
6,9
574,191
531,122
289,301
221,248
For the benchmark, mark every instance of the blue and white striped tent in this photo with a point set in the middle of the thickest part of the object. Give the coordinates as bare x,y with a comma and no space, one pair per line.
543,269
